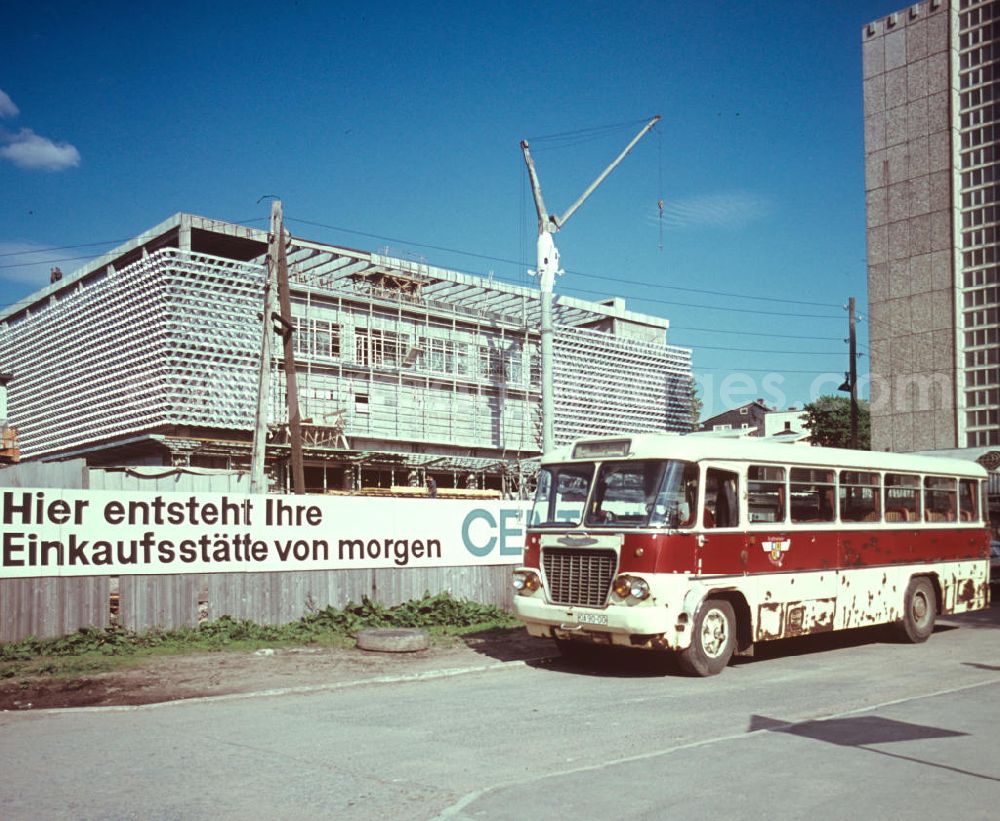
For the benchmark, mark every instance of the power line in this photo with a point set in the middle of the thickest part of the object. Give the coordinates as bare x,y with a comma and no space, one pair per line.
760,350
758,333
81,245
62,248
735,369
756,311
605,278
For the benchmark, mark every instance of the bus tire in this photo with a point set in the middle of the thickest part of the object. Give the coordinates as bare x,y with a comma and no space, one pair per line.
919,611
713,639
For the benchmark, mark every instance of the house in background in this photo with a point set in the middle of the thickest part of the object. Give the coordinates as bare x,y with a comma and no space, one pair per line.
747,420
757,419
787,426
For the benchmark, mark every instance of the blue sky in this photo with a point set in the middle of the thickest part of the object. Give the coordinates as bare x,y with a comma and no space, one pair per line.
397,125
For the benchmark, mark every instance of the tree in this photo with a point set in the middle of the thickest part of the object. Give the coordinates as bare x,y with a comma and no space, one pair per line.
696,407
829,422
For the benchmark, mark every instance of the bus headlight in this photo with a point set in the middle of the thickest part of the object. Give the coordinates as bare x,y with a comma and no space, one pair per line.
631,587
525,582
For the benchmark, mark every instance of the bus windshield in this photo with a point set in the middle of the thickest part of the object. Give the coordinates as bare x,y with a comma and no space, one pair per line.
633,494
562,494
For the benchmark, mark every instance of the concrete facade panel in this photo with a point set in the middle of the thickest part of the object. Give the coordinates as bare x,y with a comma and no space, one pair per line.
923,426
877,206
920,196
916,118
899,317
874,95
916,41
937,111
899,240
923,351
940,191
920,273
940,231
899,201
916,80
919,160
902,432
944,431
895,49
897,159
901,353
941,270
878,244
873,56
921,313
875,166
944,352
895,126
920,234
938,151
878,322
875,132
899,279
937,72
943,315
878,282
895,88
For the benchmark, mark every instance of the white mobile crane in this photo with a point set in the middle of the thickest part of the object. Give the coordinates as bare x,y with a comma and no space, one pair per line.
548,268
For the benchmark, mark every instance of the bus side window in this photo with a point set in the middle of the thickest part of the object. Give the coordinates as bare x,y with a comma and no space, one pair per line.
722,506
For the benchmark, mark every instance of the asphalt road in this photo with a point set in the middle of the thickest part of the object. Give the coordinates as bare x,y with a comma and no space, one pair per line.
840,727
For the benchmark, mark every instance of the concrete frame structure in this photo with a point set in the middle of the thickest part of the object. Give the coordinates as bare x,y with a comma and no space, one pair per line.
149,355
932,181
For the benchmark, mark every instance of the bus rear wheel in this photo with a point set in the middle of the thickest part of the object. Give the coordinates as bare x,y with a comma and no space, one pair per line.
919,611
713,639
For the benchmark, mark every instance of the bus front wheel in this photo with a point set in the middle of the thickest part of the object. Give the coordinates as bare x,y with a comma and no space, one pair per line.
713,639
919,611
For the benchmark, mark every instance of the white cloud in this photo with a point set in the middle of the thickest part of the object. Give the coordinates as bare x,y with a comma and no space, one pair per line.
726,209
26,149
7,107
27,262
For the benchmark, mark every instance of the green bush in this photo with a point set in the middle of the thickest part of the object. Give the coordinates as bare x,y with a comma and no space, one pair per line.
439,613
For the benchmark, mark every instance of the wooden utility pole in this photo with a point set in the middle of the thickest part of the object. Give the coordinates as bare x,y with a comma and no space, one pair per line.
258,479
279,320
852,376
285,328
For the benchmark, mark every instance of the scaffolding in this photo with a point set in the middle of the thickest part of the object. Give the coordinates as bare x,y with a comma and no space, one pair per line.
400,365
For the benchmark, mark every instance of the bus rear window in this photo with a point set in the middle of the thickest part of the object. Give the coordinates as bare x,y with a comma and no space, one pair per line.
561,494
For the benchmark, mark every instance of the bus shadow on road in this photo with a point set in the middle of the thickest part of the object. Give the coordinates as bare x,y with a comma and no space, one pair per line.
621,662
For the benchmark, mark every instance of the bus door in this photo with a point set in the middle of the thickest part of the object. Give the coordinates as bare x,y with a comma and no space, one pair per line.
721,536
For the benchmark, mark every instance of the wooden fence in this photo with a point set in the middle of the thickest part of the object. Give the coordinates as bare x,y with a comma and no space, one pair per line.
50,607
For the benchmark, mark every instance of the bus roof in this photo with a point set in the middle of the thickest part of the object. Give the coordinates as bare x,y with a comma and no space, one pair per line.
695,447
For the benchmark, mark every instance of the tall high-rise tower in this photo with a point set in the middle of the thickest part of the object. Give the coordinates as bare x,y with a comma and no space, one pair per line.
932,179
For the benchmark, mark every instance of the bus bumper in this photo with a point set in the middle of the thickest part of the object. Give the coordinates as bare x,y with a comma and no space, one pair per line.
649,626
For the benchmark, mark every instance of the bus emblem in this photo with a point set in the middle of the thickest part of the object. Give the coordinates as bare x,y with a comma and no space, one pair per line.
775,548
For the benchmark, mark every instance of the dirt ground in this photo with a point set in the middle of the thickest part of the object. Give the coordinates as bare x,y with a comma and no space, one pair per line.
215,674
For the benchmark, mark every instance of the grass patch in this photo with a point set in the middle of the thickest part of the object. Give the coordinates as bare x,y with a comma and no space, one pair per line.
93,650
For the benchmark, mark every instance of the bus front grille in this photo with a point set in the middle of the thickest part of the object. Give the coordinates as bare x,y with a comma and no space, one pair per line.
579,577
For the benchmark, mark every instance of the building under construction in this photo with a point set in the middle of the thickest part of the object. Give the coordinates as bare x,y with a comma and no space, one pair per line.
150,355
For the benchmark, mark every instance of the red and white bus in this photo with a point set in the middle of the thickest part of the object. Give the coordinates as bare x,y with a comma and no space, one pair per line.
703,545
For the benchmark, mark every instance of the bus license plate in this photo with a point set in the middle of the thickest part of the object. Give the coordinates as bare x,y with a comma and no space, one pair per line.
592,618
